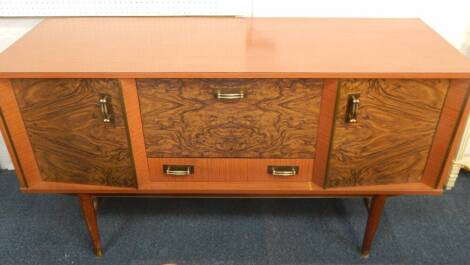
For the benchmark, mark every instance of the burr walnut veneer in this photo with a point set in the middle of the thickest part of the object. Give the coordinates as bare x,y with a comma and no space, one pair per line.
233,107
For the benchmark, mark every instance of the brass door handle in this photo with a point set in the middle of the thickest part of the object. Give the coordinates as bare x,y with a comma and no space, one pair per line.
229,95
178,170
352,108
106,108
283,170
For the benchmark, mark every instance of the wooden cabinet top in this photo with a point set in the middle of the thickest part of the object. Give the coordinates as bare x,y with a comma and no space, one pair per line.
232,47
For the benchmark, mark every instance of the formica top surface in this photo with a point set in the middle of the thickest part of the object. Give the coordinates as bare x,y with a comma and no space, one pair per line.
232,47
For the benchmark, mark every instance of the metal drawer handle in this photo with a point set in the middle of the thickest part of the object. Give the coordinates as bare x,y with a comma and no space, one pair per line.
283,170
105,101
221,95
178,170
352,108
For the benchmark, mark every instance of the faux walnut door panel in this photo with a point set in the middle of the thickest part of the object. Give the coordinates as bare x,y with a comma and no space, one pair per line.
65,124
390,142
275,118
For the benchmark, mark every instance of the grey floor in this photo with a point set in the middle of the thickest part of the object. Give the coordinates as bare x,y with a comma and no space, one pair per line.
49,229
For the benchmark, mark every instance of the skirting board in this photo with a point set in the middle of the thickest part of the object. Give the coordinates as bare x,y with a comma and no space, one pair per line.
466,163
462,160
5,161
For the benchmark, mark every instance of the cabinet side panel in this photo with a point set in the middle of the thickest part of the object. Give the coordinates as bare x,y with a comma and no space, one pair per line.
70,141
390,142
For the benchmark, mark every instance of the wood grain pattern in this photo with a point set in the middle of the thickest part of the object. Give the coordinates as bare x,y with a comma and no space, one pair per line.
390,144
223,47
278,118
69,139
230,170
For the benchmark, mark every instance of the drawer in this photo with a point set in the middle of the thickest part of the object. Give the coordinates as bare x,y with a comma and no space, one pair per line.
236,118
229,169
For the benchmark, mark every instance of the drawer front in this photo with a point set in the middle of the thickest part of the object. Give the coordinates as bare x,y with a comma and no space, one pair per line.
395,124
71,141
229,170
276,118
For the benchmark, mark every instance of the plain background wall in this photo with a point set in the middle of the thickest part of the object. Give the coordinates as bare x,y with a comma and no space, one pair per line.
11,30
450,18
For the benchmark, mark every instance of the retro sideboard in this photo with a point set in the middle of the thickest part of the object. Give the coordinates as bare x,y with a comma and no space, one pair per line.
233,107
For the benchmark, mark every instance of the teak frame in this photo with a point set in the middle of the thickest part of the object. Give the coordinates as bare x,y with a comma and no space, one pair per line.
433,179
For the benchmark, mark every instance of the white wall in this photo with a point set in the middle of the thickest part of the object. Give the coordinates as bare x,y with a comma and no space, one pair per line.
450,18
10,31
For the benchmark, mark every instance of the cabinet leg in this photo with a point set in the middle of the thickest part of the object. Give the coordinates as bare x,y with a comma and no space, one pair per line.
88,208
375,212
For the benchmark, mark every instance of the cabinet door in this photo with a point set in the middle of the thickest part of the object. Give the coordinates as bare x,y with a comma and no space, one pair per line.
383,130
77,130
234,118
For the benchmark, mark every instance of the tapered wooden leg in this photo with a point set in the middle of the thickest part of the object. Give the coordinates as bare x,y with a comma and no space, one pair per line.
88,207
375,212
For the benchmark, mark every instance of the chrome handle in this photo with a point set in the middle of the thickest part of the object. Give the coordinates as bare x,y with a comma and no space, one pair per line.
178,170
106,108
352,108
231,95
283,170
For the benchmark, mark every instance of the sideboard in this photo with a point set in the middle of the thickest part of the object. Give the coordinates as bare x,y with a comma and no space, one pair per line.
208,106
